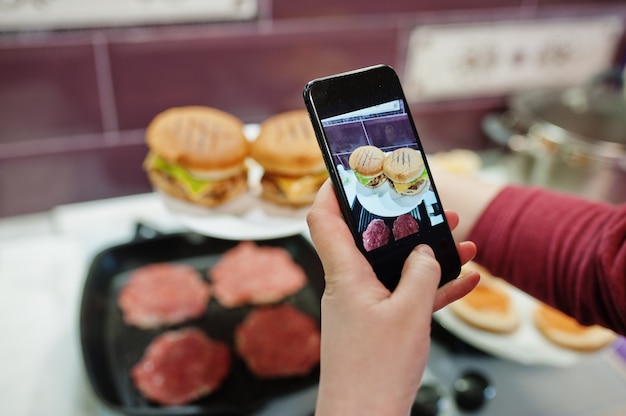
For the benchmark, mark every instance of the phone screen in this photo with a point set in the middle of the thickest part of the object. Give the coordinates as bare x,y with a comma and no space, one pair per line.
379,170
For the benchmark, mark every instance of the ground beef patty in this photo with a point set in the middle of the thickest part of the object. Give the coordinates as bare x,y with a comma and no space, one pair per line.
404,226
376,235
181,366
278,341
163,294
252,274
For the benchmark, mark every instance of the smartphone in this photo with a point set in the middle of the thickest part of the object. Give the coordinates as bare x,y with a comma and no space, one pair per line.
378,167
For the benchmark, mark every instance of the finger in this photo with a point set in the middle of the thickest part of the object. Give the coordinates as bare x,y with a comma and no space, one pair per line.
453,219
455,289
331,236
419,280
467,251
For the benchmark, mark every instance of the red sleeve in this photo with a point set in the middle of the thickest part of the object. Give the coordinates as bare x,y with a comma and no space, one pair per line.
566,251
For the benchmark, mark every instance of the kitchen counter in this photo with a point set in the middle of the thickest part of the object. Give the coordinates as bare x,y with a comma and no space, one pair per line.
43,263
44,259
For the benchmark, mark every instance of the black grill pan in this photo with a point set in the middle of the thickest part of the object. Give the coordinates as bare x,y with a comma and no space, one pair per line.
110,348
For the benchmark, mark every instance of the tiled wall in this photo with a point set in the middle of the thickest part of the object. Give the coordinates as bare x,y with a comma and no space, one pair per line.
73,104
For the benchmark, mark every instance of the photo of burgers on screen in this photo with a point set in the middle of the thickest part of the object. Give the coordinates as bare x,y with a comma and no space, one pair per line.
384,176
391,178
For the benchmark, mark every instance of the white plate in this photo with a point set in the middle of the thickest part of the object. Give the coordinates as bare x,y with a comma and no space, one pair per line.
526,345
247,217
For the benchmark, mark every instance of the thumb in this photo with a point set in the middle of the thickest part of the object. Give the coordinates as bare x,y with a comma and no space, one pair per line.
420,278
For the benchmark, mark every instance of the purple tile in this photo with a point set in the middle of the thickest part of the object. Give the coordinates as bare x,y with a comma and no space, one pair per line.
252,75
85,174
591,3
455,124
284,9
47,90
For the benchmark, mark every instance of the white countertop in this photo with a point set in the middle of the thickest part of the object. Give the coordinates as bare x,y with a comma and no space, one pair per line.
43,263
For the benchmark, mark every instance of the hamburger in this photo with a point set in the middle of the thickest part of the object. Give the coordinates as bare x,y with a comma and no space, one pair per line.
489,305
406,172
367,164
197,154
287,149
566,332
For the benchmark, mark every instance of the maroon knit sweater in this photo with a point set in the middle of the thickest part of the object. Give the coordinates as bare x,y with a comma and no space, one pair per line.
566,251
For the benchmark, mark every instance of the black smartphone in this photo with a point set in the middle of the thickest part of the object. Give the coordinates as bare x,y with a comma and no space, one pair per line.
379,170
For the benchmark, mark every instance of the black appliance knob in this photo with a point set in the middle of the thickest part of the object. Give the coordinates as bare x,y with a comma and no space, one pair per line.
471,390
428,401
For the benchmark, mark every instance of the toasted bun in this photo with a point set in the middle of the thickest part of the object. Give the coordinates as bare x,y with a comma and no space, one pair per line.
367,161
403,165
489,306
566,332
200,138
287,145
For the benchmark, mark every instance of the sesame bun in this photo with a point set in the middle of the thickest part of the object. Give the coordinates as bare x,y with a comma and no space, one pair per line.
566,332
489,305
286,145
198,138
406,166
197,154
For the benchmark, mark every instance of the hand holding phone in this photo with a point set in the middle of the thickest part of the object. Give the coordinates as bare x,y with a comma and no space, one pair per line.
379,170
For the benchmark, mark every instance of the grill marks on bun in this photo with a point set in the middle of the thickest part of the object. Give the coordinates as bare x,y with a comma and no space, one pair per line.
197,154
200,138
403,165
287,149
367,164
367,160
287,146
406,171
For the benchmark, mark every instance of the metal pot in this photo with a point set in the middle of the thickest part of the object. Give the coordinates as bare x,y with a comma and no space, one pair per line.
571,139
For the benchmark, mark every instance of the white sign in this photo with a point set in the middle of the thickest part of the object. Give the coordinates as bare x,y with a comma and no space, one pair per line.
456,60
57,14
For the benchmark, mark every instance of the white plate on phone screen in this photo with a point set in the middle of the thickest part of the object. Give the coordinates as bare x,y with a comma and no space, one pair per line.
247,217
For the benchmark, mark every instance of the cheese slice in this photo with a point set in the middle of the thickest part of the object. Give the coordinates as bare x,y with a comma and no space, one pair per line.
296,187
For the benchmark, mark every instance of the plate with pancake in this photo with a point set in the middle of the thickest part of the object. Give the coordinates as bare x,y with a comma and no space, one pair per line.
226,179
501,320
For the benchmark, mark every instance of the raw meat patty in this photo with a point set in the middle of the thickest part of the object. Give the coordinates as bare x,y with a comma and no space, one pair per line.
376,234
404,226
181,366
251,274
163,294
278,341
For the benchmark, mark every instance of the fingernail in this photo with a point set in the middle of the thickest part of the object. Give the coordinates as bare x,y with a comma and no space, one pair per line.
423,248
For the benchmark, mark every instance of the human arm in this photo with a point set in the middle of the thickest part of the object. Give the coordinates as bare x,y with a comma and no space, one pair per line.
564,250
375,343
